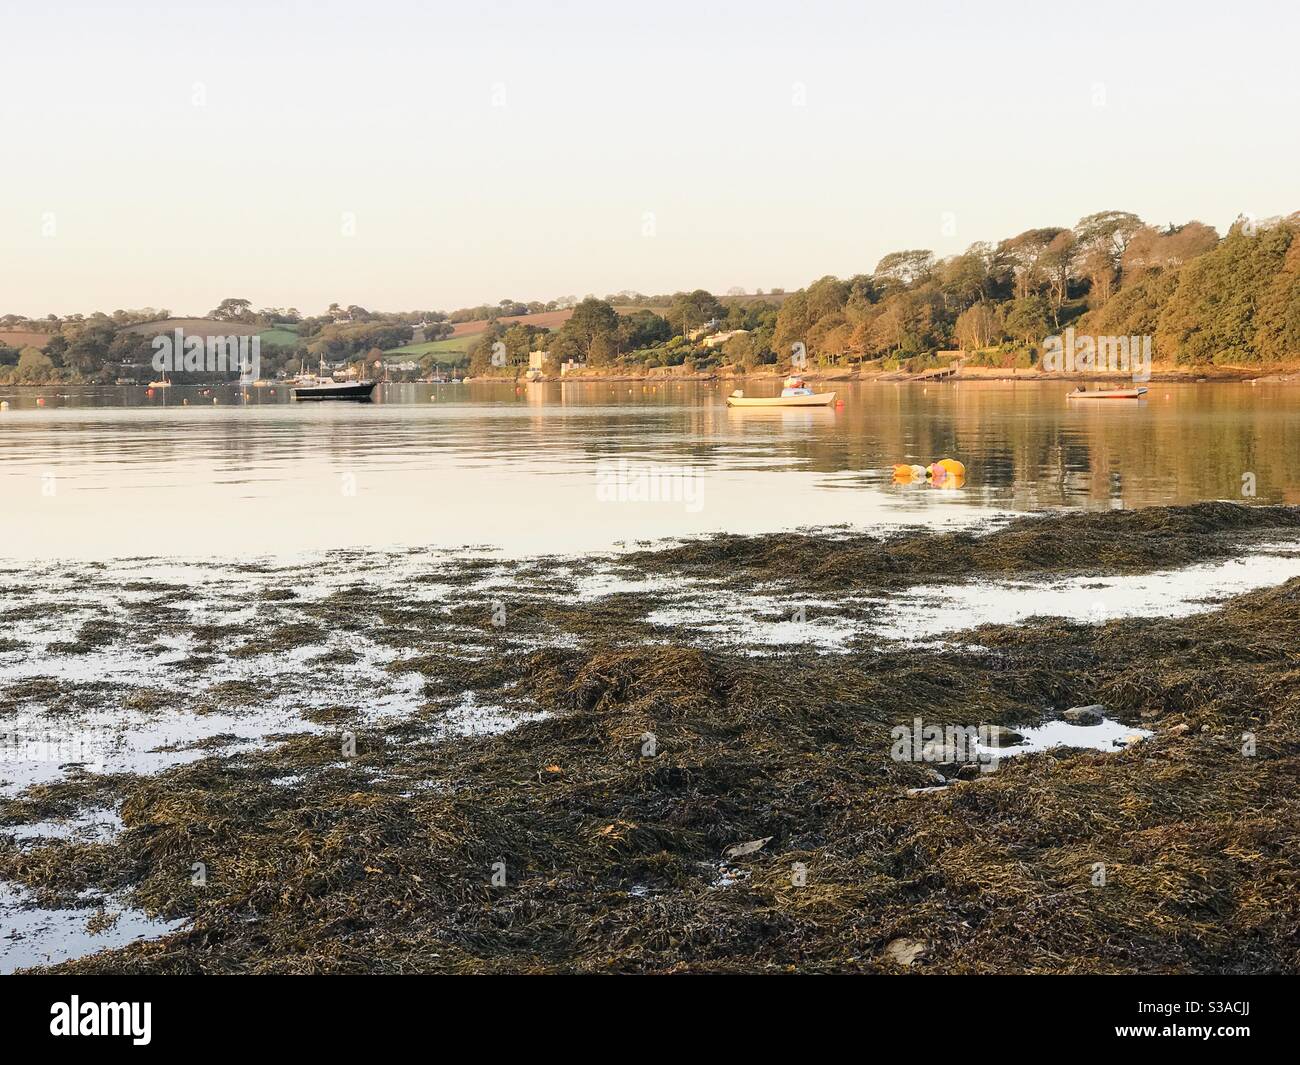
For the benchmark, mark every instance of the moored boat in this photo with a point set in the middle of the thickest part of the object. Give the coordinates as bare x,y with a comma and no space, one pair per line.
319,387
812,399
1108,393
326,388
794,394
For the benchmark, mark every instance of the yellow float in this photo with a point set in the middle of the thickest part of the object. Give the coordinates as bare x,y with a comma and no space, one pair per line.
946,473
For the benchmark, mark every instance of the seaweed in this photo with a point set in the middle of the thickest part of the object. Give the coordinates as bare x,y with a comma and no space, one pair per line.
1126,541
689,807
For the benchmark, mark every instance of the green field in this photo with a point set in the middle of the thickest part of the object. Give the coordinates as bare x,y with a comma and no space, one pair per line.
450,346
284,336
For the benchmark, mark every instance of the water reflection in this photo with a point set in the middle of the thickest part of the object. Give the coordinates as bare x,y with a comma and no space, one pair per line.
113,471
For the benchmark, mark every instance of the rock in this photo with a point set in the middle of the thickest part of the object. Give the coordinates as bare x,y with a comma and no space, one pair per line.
1091,714
1129,740
741,849
906,952
916,793
1000,736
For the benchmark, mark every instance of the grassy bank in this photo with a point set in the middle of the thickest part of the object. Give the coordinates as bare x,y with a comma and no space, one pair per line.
569,844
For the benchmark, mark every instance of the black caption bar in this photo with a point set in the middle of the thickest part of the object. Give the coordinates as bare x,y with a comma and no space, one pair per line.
148,1014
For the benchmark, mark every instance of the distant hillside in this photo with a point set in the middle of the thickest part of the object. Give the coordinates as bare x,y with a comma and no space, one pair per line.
203,327
282,335
22,338
449,347
544,320
555,319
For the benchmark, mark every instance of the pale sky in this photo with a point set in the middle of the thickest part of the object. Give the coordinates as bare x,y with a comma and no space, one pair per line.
171,154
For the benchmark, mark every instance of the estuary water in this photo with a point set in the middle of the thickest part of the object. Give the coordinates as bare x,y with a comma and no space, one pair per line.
112,472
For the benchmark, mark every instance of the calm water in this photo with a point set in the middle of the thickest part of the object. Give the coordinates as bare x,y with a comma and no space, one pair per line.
111,472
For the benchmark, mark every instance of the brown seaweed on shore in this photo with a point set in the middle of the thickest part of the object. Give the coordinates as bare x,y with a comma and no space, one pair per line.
596,839
1123,541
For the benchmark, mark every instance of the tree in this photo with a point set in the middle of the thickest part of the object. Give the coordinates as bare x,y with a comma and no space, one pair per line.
642,329
1214,314
793,323
233,310
1109,229
826,296
903,325
591,318
979,326
742,351
1099,268
1153,249
1056,261
345,339
1135,309
601,352
964,279
690,310
34,365
88,350
519,340
484,347
830,336
1029,319
1026,252
899,269
1279,310
1102,239
130,348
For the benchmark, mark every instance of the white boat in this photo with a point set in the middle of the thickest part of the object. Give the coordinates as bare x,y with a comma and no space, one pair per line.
813,399
1109,393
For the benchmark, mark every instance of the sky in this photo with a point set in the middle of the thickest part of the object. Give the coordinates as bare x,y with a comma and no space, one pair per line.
408,156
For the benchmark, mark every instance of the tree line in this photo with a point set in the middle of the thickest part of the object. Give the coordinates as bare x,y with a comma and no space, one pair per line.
1204,299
